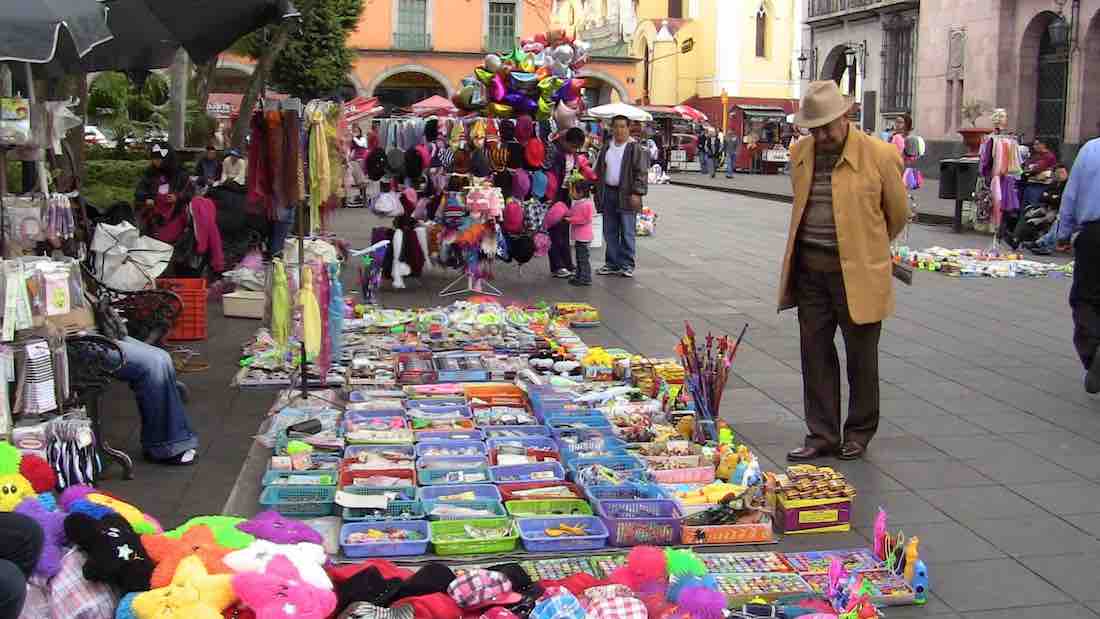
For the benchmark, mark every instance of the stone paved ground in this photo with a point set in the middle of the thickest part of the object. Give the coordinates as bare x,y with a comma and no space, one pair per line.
988,449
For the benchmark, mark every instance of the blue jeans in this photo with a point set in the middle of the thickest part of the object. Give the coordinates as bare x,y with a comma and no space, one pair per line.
1050,239
704,163
618,232
165,430
731,159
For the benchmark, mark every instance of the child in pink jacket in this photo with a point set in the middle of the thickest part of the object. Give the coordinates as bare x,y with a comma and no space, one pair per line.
580,215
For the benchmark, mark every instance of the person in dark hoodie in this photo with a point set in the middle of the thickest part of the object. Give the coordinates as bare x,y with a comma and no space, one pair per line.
209,168
162,195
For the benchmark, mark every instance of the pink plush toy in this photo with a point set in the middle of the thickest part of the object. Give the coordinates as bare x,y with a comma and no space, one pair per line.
279,593
554,215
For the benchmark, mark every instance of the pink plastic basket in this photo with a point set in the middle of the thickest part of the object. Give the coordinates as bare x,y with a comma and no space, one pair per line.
699,474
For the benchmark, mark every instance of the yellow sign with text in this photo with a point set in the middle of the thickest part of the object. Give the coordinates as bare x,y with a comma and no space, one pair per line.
818,516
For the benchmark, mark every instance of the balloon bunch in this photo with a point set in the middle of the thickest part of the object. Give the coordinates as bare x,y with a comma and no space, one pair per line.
538,79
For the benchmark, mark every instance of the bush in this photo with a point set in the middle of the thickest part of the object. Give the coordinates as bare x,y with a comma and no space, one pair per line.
94,152
107,181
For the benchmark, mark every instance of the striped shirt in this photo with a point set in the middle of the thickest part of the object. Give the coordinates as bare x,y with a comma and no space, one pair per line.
818,229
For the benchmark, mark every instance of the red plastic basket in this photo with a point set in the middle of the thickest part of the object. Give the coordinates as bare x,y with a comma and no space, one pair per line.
507,491
191,324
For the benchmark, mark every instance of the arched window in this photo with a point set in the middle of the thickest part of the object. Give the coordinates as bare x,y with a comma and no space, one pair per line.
761,32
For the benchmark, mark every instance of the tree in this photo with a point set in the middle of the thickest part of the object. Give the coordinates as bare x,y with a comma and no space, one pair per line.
311,63
126,108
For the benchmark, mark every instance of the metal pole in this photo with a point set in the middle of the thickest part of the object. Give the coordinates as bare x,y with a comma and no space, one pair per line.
181,69
40,165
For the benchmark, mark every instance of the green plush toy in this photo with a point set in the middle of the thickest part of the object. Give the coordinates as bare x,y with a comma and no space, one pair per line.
224,528
684,563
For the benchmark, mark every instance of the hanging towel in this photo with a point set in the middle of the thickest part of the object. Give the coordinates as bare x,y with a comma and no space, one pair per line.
208,239
311,314
280,305
320,171
335,311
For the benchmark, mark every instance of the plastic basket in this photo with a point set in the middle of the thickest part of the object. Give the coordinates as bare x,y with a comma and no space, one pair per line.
469,448
538,471
589,420
396,510
531,455
386,548
312,477
495,508
300,501
403,493
593,448
625,492
516,431
699,474
444,529
535,539
469,469
627,466
508,491
361,478
633,522
581,434
450,435
482,492
549,507
351,452
190,325
531,442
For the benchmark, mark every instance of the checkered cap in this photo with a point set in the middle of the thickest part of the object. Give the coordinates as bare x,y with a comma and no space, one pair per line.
618,608
604,592
363,610
477,587
558,604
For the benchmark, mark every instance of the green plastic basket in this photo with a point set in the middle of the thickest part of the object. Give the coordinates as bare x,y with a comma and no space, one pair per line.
548,507
443,529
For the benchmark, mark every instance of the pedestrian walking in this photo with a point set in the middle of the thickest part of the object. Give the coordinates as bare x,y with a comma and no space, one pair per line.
714,149
729,148
704,152
1079,221
849,203
567,159
622,174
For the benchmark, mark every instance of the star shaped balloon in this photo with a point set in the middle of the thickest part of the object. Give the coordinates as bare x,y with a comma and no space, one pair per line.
193,593
167,553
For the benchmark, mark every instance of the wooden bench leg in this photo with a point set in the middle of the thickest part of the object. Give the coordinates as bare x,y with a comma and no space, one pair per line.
117,455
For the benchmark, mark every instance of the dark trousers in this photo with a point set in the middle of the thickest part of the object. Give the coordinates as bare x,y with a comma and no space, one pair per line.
822,307
560,255
584,265
20,546
1084,296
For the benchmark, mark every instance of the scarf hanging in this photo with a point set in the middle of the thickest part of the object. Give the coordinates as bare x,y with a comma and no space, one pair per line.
257,175
280,305
274,122
321,285
292,157
320,172
311,314
336,311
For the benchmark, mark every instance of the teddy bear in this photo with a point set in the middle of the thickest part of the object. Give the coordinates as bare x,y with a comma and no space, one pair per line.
115,553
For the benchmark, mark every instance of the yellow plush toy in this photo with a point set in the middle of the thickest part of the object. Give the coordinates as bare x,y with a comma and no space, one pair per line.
14,487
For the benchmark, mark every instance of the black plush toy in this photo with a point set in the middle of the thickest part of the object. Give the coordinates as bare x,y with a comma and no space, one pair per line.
115,553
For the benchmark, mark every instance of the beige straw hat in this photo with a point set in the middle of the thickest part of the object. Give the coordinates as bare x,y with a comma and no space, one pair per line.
821,105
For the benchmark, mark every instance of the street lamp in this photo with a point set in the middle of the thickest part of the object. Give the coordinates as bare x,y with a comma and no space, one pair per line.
802,63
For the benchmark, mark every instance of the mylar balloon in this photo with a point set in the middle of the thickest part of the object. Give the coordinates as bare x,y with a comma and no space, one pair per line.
492,63
546,109
513,99
542,73
523,82
565,93
565,116
563,54
549,85
484,76
533,47
500,110
561,70
528,106
496,88
528,64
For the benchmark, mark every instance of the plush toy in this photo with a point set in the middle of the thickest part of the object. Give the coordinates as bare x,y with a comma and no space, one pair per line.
701,603
279,592
308,559
646,568
168,552
38,472
684,563
14,487
192,594
115,553
274,527
98,504
53,535
224,528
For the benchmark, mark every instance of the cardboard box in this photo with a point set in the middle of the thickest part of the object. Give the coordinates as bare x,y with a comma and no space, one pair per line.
813,515
244,304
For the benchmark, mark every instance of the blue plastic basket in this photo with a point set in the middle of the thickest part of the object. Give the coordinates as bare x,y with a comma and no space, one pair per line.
466,471
482,492
496,509
588,420
450,435
532,531
403,493
621,464
536,471
529,442
516,431
581,434
300,501
386,548
628,491
396,510
353,451
593,448
653,522
313,477
470,448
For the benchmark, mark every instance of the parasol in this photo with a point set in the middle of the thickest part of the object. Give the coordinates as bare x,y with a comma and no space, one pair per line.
434,105
126,260
690,113
30,29
611,110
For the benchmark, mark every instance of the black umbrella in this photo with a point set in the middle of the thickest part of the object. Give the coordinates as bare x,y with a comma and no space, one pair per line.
30,29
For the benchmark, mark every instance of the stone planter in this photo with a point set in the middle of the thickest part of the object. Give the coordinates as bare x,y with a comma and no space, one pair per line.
972,137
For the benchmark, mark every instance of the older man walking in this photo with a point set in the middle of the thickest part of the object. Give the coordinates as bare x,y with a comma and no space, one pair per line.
849,202
622,171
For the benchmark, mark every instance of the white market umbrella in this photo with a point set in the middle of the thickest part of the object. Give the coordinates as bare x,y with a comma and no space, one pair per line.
611,110
126,260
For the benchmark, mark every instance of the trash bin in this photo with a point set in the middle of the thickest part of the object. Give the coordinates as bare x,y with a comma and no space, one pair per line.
948,178
966,176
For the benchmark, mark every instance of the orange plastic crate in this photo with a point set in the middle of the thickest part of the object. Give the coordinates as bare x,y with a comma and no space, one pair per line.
191,324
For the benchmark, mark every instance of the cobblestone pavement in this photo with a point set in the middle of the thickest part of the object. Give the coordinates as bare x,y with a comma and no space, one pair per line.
989,448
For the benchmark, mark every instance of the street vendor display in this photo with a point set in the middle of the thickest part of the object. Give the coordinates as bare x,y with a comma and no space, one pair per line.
977,263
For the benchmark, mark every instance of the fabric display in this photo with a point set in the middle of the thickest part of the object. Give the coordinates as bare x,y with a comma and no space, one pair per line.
999,169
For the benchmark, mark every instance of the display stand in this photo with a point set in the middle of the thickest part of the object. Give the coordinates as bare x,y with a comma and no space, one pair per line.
472,285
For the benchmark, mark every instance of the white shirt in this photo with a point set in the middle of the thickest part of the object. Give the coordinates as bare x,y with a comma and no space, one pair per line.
614,163
232,172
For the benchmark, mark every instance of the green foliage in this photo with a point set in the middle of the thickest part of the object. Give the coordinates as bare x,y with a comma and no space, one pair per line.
94,152
107,181
116,103
316,60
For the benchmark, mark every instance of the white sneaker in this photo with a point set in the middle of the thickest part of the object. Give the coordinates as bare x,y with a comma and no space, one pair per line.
607,270
563,273
627,272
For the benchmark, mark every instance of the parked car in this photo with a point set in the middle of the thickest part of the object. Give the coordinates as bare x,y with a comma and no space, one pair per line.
687,143
93,136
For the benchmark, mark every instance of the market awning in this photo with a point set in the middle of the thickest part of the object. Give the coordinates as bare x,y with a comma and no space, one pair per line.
434,104
762,111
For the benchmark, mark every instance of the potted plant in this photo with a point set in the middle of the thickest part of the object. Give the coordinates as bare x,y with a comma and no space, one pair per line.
972,136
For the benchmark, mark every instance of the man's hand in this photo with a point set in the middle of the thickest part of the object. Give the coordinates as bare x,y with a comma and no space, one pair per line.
149,202
635,202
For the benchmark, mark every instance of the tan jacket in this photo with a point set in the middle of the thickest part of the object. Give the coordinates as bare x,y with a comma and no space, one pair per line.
870,208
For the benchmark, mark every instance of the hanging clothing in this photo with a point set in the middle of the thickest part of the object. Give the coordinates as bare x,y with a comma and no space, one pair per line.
280,304
320,170
208,238
311,314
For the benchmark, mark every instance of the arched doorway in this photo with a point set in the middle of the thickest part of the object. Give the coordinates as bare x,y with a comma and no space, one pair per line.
407,87
1090,82
600,88
1044,75
836,68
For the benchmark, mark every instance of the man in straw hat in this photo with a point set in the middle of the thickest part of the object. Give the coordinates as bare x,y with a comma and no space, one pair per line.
849,202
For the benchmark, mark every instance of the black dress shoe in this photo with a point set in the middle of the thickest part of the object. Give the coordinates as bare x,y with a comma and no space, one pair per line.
851,451
805,454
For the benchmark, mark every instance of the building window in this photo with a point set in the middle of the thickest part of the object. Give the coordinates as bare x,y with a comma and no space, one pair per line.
412,25
675,9
898,50
761,32
502,25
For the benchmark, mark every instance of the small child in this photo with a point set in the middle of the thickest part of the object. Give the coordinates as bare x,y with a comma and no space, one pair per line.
581,212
